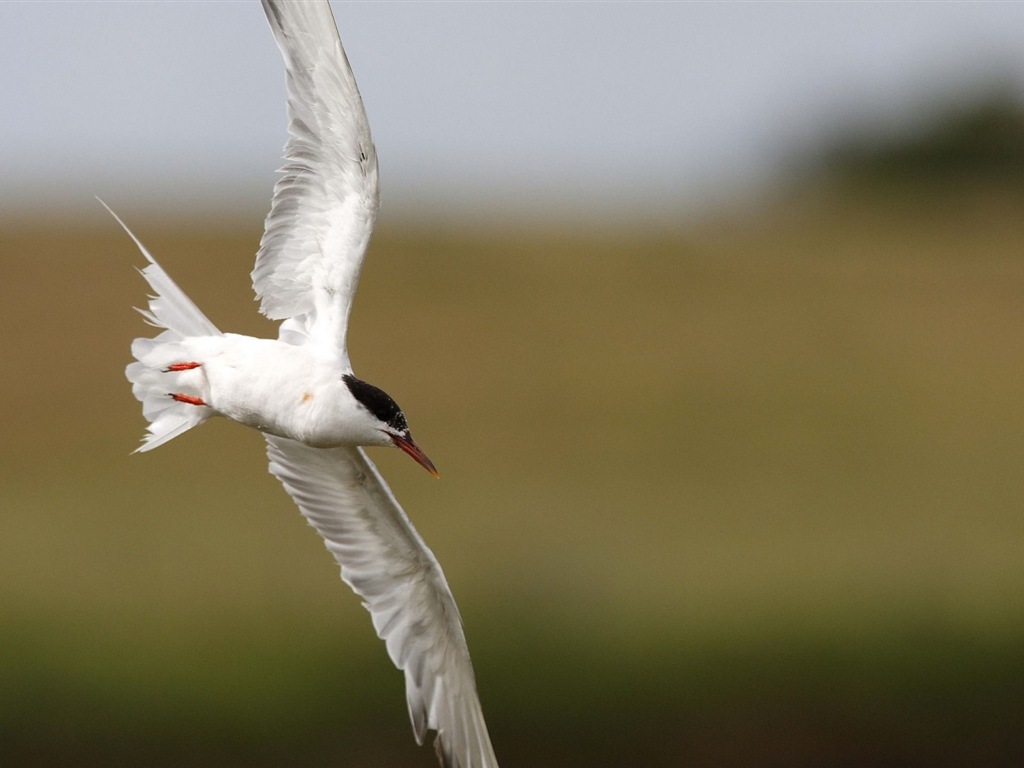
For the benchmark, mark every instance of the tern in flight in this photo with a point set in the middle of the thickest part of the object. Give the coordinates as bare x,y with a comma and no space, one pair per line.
301,393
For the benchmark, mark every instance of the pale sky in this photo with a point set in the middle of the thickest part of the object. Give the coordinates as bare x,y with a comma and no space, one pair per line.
476,106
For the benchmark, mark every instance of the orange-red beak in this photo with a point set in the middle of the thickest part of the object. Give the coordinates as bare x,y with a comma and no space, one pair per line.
407,444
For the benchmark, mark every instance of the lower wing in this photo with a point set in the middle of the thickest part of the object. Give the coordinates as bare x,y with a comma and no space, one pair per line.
385,561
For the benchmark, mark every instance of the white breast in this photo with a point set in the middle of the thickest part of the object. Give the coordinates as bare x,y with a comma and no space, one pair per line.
277,388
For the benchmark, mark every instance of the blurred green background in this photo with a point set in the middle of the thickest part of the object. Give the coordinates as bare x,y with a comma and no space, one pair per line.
740,491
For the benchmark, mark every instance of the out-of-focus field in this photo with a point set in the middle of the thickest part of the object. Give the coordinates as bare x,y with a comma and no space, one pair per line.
745,494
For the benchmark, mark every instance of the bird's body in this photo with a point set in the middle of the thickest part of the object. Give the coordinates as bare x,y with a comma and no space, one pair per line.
301,392
254,382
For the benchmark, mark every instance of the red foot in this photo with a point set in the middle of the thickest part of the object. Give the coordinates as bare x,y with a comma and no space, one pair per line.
187,399
181,367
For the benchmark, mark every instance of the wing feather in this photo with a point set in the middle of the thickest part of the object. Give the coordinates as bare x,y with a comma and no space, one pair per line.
325,203
386,562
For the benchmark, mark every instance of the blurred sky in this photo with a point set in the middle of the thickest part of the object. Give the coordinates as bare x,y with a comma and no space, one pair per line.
605,108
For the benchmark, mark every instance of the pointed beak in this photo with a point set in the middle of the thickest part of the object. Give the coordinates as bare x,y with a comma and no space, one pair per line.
406,443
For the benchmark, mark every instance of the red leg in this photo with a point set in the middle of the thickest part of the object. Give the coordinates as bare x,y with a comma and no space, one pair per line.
181,367
187,399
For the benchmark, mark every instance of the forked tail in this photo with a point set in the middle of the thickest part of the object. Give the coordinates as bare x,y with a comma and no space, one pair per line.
152,376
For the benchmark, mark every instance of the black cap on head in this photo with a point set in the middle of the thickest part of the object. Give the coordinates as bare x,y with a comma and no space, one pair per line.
376,401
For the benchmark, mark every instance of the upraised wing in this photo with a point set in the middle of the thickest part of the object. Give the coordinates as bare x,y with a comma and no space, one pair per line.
325,203
385,561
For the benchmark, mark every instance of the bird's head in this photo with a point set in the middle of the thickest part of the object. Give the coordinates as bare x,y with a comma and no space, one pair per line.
388,422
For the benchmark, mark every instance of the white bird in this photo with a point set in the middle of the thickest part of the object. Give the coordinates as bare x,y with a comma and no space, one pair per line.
300,391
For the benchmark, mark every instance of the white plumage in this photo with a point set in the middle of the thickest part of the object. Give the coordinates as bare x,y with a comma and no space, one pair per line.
325,203
299,389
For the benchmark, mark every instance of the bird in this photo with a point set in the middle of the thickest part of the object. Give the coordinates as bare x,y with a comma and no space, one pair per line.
300,391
